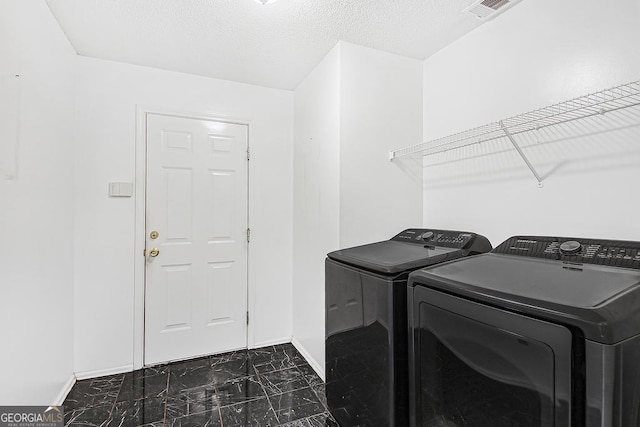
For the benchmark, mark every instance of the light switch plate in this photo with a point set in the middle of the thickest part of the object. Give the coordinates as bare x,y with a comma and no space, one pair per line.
120,189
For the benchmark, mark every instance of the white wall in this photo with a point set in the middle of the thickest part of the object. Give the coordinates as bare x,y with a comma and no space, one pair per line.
108,93
537,53
381,108
316,181
36,210
350,111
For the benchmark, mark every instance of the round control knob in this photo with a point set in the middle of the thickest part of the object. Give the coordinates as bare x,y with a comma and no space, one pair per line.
570,247
427,235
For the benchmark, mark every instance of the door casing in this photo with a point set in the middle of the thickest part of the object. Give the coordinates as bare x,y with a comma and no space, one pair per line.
140,226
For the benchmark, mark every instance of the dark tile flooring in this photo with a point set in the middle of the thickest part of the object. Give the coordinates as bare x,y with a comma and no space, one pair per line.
270,386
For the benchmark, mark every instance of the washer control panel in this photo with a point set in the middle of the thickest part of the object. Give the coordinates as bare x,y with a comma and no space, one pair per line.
443,238
618,253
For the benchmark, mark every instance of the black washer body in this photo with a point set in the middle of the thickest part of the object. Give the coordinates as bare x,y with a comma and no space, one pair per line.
542,331
366,321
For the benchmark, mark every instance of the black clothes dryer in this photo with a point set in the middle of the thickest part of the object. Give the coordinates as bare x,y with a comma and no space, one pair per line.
542,331
366,321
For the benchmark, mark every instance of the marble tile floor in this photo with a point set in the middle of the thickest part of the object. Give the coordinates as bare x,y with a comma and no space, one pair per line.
270,386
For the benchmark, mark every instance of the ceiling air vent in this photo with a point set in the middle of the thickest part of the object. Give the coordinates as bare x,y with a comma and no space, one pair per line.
485,9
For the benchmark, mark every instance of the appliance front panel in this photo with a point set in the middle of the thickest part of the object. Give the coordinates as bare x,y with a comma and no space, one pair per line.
366,347
473,364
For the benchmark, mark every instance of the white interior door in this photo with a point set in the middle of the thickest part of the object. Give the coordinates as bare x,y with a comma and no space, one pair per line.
196,284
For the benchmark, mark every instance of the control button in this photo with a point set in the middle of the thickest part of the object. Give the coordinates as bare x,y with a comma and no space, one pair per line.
570,247
427,235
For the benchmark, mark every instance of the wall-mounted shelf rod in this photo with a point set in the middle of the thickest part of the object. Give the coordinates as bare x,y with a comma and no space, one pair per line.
616,98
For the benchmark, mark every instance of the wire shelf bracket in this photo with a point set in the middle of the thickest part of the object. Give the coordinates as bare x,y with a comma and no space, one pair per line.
597,103
519,150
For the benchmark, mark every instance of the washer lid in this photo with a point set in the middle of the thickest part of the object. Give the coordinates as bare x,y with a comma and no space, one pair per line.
573,285
601,300
392,257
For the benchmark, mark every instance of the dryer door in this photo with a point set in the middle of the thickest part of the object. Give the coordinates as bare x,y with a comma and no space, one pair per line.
477,365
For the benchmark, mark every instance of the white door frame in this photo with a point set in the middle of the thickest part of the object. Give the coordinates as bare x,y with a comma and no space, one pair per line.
140,219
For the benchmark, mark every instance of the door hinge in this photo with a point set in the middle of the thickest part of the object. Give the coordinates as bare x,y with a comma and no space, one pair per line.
248,235
248,155
144,252
247,317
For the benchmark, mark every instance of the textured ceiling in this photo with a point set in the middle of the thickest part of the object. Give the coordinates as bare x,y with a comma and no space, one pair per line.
275,45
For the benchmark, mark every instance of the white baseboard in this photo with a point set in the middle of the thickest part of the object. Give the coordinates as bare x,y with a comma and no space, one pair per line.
66,388
103,372
313,362
277,341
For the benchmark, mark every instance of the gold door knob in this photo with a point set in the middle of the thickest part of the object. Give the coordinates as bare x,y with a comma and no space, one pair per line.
154,252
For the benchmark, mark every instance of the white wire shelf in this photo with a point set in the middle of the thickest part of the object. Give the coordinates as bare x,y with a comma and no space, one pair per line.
615,98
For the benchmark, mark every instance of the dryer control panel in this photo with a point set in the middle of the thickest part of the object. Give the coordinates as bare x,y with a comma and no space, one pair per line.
616,253
442,238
